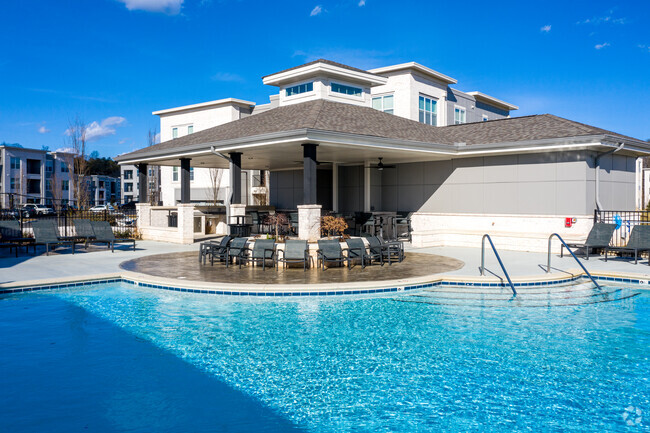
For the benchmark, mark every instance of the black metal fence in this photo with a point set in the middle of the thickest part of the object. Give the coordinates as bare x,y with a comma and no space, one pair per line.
123,222
625,222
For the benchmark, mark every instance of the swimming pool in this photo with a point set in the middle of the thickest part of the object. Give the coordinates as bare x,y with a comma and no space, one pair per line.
117,357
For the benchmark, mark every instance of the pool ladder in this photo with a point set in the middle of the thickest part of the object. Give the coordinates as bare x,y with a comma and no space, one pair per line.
548,264
503,268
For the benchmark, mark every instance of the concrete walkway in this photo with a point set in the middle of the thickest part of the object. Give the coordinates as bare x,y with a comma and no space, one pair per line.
97,260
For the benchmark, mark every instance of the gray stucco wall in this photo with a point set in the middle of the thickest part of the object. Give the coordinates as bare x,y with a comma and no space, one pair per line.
286,188
553,183
475,114
558,183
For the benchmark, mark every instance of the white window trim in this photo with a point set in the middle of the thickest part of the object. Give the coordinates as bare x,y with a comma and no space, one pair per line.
382,96
437,101
462,109
332,93
299,95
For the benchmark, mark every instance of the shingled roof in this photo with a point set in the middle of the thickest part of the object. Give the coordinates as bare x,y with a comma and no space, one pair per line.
365,121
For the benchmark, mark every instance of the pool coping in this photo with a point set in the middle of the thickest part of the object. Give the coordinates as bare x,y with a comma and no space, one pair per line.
357,288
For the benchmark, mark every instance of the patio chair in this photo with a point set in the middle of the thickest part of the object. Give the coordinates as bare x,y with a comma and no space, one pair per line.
236,249
639,241
329,251
83,229
45,233
395,248
402,226
104,234
214,248
599,237
390,251
356,251
293,222
295,251
263,250
11,234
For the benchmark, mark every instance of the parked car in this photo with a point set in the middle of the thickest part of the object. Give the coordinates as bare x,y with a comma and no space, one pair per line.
103,208
9,214
33,209
130,206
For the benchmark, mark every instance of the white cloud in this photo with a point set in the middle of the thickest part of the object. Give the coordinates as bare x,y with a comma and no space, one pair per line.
546,28
66,150
316,11
606,19
644,47
170,7
601,46
227,77
43,130
96,130
156,138
362,3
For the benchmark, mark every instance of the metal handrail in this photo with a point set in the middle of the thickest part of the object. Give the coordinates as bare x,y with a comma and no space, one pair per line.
548,265
503,268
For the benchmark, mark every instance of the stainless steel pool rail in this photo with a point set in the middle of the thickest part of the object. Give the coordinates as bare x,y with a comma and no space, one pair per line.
548,264
503,268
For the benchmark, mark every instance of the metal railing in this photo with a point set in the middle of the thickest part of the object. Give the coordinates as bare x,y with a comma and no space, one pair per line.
548,265
625,220
503,268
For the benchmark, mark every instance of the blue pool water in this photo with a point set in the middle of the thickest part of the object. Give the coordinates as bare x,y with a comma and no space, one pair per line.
123,358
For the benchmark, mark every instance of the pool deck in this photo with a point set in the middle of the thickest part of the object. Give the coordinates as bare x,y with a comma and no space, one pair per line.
99,263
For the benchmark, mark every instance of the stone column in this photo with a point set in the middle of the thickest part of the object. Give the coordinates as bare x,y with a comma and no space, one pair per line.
186,223
143,211
309,222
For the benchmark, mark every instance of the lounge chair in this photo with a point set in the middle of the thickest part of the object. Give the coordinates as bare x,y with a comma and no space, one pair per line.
236,250
263,250
639,241
356,251
402,226
599,237
104,234
45,233
11,234
395,249
295,251
329,251
83,230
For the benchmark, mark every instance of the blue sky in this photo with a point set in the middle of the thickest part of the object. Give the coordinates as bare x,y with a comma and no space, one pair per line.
113,62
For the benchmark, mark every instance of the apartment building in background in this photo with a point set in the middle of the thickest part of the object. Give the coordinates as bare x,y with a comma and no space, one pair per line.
34,176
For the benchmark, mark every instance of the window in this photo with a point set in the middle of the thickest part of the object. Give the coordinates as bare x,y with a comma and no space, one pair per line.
301,88
14,163
383,103
428,108
48,185
190,129
174,132
485,118
65,185
128,174
175,174
459,115
128,187
15,183
346,90
64,167
49,166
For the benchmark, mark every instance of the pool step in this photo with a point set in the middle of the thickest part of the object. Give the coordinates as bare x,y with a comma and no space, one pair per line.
561,295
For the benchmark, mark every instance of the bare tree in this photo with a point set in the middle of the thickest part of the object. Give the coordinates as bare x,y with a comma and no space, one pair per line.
78,164
153,181
215,184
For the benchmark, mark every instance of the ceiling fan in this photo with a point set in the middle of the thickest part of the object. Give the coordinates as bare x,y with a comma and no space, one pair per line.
380,166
